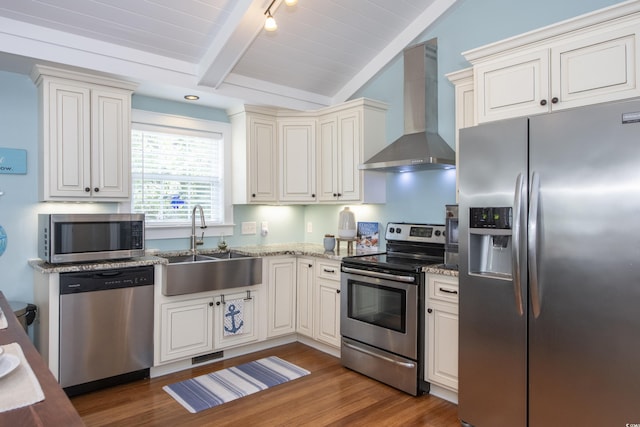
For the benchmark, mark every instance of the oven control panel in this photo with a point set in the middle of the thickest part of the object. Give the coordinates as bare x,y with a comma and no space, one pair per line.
406,232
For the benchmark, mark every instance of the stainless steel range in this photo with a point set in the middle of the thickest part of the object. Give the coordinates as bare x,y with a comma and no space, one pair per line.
382,306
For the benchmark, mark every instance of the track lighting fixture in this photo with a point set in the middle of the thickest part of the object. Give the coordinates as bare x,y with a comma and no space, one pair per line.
270,23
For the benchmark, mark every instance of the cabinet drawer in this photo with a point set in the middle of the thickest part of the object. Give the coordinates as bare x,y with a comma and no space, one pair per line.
328,270
443,288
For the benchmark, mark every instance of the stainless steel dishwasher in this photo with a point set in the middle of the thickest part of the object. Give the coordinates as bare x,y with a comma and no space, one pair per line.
106,327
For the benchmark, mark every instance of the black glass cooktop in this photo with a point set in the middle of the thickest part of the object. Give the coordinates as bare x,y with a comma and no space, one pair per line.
389,261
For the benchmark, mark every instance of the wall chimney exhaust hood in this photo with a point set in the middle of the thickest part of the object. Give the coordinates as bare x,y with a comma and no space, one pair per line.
421,147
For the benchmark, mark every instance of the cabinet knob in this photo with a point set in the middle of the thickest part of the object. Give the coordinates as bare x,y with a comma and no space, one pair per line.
87,189
217,302
313,196
554,100
429,310
337,291
310,265
543,102
253,195
339,194
95,190
335,194
211,304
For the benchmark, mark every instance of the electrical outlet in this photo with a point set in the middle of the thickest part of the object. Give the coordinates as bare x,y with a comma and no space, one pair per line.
309,227
249,227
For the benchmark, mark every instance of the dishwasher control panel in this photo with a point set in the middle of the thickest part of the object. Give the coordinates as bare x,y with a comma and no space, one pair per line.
98,280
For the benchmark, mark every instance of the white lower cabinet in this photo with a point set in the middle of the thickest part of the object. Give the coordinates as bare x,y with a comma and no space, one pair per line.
319,300
280,274
442,331
186,328
304,299
327,325
196,326
298,295
235,318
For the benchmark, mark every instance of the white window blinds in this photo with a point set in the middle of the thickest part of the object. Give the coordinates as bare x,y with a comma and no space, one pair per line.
173,170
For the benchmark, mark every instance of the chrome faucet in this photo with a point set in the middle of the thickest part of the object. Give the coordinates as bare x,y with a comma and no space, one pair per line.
194,240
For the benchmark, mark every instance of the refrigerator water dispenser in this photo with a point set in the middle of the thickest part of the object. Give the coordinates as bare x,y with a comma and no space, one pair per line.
490,239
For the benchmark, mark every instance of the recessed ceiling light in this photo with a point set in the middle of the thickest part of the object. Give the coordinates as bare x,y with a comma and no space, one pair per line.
191,97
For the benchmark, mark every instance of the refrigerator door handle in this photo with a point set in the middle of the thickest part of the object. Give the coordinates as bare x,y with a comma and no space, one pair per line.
532,244
518,212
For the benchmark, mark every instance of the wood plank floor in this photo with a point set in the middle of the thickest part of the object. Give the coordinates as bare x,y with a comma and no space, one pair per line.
330,395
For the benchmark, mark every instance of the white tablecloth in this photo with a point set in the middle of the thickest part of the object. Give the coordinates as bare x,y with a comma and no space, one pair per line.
20,387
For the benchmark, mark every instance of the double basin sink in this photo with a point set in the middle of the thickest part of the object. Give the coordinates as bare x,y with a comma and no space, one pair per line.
188,274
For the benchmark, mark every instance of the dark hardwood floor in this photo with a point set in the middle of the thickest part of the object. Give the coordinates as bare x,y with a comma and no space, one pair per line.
330,395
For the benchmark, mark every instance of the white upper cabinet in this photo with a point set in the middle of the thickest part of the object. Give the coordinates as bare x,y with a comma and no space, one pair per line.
339,153
255,155
348,135
586,60
297,142
85,133
297,157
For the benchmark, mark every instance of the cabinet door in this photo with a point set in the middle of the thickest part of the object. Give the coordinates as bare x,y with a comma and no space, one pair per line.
304,306
110,144
297,161
263,155
339,155
66,146
186,328
281,296
235,319
349,140
513,86
328,312
442,363
328,159
600,68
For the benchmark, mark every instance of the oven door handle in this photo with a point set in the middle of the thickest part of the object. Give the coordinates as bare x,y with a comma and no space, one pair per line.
379,356
379,275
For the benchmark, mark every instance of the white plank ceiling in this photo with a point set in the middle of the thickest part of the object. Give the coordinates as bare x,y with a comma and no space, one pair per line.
321,53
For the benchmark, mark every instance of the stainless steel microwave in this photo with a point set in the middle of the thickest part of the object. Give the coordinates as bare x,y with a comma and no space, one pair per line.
89,237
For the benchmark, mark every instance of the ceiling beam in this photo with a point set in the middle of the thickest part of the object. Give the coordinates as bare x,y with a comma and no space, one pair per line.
233,40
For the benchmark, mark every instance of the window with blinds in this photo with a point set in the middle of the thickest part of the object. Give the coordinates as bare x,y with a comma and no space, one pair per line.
175,169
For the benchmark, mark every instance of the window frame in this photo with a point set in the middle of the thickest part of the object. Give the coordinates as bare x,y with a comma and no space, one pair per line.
168,231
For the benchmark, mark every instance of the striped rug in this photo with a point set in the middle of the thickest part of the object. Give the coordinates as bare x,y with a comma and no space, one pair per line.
216,388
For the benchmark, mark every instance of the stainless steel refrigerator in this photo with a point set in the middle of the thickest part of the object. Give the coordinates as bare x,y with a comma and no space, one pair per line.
549,267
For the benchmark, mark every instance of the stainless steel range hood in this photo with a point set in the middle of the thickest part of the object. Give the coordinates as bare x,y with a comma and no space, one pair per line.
421,147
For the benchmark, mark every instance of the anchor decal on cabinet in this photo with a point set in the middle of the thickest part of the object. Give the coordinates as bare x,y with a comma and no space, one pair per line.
232,313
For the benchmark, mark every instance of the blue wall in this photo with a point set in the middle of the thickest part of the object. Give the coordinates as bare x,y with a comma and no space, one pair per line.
417,197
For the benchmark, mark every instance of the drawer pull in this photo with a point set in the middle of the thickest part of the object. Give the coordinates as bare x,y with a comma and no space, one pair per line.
448,291
326,270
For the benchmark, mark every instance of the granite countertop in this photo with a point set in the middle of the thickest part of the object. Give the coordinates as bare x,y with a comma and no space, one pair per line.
157,257
44,267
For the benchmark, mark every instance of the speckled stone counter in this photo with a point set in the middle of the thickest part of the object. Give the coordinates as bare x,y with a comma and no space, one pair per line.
44,267
441,269
301,249
298,249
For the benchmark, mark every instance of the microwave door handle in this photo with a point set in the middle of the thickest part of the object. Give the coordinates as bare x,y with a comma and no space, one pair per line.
518,212
532,243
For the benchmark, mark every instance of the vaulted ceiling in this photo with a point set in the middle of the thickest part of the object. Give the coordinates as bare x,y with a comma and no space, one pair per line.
321,53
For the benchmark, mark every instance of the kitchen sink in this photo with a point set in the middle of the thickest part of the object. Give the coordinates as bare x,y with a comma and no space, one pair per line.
188,274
